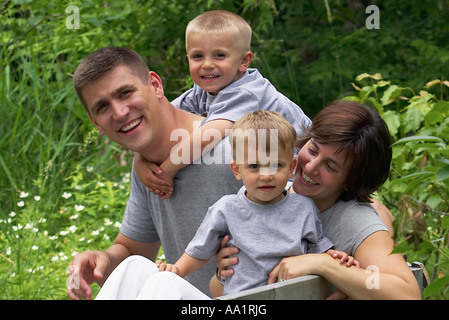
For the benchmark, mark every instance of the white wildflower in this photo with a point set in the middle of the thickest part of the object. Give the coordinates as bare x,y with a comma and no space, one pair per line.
66,195
23,194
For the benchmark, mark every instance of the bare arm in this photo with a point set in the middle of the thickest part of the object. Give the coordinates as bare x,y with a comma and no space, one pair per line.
381,276
184,266
384,214
200,141
159,179
96,266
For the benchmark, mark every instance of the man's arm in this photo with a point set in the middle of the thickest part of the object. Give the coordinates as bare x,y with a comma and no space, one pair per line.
96,266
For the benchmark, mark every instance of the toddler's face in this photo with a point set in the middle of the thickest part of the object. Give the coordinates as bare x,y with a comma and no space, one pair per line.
265,182
215,61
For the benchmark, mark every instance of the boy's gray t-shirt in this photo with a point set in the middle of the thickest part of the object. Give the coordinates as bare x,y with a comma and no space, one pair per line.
264,234
175,221
251,92
347,223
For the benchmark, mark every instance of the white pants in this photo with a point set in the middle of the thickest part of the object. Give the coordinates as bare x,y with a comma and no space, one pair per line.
138,278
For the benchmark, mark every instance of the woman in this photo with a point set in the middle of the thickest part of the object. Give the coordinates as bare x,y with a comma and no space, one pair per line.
345,157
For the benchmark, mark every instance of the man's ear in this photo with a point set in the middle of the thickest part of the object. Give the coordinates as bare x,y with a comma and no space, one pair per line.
96,125
235,170
246,60
292,167
156,83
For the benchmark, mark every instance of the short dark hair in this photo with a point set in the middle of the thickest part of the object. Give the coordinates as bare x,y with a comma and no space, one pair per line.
364,136
103,60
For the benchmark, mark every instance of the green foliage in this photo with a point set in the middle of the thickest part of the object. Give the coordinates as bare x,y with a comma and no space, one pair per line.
40,242
417,191
310,50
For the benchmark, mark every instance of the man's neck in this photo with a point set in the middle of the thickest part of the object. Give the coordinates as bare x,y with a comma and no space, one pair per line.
175,120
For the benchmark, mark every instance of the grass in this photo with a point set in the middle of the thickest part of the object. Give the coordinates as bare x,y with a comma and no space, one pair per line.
63,189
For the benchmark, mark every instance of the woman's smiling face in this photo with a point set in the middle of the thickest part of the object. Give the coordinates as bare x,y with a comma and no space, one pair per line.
321,173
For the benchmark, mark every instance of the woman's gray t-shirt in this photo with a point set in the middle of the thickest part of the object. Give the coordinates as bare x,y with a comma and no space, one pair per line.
348,223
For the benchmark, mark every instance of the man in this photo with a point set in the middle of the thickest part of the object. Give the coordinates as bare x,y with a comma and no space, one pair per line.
126,102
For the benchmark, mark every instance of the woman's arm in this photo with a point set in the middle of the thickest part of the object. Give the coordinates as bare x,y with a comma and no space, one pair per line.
384,214
381,276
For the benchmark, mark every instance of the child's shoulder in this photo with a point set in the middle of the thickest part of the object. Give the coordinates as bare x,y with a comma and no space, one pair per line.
296,197
228,199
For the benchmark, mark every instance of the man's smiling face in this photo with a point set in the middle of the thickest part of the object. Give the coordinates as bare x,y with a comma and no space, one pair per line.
125,108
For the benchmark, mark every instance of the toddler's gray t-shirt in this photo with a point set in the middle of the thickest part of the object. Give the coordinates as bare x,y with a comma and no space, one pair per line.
264,234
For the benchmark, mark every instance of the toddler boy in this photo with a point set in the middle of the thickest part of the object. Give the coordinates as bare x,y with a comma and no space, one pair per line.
266,223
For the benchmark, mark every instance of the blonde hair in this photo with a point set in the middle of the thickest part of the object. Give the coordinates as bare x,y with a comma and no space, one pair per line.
261,126
222,22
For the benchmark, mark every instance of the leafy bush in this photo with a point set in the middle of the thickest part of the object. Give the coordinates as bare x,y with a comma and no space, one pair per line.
417,191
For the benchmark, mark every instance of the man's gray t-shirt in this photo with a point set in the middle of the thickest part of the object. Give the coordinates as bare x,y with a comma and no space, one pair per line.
251,92
174,221
264,233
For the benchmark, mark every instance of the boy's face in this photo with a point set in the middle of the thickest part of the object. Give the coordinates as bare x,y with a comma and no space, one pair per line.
265,182
215,61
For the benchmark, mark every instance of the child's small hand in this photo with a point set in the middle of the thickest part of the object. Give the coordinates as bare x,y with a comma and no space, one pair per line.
148,173
168,267
344,257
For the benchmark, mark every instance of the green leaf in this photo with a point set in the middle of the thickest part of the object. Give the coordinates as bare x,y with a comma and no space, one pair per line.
434,200
391,118
426,245
416,175
435,286
389,95
412,119
402,247
442,174
438,113
362,76
445,222
419,139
